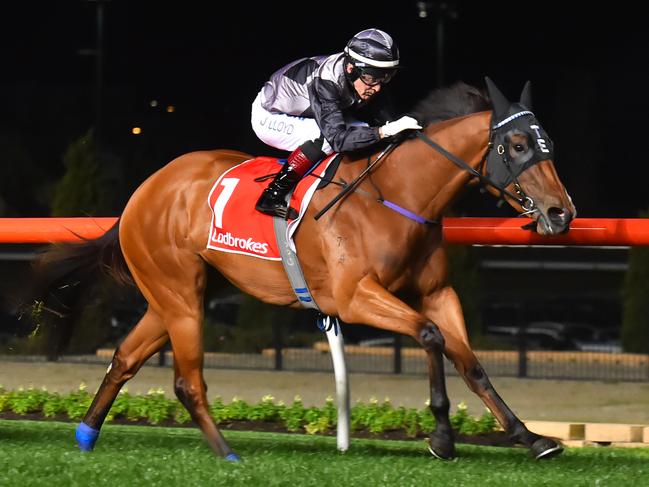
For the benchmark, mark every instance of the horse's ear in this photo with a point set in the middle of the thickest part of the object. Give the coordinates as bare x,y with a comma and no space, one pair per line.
526,96
498,100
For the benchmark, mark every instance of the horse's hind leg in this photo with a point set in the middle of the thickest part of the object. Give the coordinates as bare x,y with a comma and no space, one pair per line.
174,285
189,384
444,307
148,336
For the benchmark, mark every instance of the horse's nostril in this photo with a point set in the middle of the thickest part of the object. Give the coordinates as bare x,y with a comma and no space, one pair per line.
559,216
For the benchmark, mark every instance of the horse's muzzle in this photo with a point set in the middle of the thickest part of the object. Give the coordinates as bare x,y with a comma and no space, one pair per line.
555,221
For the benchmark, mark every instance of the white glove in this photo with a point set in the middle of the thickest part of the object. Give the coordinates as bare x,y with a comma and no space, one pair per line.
404,123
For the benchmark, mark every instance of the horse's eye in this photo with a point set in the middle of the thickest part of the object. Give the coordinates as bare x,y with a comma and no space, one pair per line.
519,147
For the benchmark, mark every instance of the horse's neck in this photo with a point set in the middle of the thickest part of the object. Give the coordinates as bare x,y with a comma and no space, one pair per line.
427,181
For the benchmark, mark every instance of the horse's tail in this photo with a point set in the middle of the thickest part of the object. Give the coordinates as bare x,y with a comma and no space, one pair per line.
64,277
86,259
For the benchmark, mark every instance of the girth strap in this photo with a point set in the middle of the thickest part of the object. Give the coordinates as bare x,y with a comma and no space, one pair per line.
292,265
329,325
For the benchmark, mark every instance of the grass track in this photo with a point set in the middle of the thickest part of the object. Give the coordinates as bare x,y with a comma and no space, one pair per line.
44,453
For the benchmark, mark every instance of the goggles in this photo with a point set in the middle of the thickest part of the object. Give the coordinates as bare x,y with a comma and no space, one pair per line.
373,77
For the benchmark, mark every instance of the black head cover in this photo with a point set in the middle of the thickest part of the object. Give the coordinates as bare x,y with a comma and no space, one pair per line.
526,96
500,104
505,164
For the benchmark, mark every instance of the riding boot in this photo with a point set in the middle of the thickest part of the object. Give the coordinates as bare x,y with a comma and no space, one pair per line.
273,200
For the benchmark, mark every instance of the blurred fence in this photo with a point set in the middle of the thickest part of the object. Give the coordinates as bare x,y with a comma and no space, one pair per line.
539,364
522,362
464,231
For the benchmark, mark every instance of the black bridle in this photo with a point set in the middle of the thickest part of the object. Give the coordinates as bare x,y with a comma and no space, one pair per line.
522,199
499,158
495,160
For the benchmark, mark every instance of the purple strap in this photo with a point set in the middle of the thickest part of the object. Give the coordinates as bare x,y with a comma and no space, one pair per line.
407,213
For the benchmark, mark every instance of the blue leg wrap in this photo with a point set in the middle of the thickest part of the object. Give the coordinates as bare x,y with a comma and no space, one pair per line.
233,457
86,437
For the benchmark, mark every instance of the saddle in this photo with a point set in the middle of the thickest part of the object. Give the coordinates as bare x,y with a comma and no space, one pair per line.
237,227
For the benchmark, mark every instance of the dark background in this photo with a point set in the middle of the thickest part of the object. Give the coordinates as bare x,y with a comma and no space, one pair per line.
588,67
208,59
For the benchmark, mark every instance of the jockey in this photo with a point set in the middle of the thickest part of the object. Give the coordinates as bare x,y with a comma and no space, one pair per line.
313,107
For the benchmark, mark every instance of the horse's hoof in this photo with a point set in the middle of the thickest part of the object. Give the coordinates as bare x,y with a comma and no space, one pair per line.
233,457
440,447
544,448
86,437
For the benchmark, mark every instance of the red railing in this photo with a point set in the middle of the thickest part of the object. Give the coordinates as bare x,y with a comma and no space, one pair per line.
474,230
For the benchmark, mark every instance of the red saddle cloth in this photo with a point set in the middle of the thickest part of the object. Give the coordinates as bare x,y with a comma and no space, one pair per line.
236,226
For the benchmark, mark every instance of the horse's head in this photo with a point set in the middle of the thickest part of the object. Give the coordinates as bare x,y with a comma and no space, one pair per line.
522,161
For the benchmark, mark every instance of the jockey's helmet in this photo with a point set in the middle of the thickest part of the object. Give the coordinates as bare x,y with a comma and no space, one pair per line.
374,55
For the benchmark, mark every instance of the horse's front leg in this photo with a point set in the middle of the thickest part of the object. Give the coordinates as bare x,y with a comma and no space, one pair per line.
441,442
443,306
372,304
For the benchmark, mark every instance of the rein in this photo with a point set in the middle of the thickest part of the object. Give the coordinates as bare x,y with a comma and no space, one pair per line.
351,186
525,202
522,199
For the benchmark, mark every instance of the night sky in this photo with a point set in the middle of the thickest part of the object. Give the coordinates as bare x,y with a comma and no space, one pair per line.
588,70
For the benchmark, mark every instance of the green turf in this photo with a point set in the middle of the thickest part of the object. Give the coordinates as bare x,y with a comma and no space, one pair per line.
44,453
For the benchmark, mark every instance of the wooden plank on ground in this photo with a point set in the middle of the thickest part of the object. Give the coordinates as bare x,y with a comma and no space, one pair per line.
574,443
557,429
609,432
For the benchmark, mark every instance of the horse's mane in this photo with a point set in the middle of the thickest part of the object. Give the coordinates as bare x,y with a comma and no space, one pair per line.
452,101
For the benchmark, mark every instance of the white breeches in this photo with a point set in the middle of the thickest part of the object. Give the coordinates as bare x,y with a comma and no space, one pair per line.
285,132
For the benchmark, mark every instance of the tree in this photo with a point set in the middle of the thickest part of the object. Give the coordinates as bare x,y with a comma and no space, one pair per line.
84,189
635,314
22,182
465,278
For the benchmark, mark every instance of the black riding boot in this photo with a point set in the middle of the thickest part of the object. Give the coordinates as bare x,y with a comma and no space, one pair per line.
273,200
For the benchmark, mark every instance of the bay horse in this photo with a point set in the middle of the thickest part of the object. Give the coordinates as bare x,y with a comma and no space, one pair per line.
363,261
